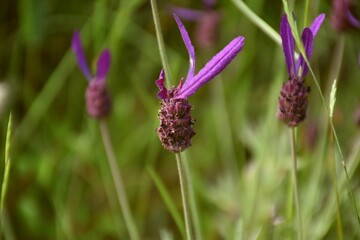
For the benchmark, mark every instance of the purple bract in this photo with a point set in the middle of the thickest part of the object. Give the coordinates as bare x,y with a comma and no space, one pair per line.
194,81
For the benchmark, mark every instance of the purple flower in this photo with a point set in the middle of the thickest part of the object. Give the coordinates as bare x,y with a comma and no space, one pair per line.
208,19
342,18
97,98
293,95
175,130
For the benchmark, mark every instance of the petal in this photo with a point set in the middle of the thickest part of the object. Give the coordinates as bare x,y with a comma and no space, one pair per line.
80,56
209,3
308,41
315,26
189,47
187,14
162,94
351,18
212,68
103,65
288,44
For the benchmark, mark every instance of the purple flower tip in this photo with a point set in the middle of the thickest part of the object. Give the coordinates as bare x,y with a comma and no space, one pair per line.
162,94
77,48
103,65
103,62
288,44
212,68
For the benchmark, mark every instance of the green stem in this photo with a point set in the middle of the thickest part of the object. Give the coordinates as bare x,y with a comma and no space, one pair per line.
160,41
296,190
118,182
192,200
260,23
6,176
184,196
7,164
333,172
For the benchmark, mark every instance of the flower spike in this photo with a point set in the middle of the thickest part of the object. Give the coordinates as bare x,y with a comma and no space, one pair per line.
293,99
175,130
98,102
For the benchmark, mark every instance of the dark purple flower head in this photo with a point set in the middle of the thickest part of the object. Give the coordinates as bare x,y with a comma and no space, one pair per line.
342,18
175,130
293,95
208,20
97,99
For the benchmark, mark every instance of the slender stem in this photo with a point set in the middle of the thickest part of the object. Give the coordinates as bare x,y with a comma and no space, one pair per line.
192,200
260,23
160,41
119,186
184,196
296,190
6,174
333,172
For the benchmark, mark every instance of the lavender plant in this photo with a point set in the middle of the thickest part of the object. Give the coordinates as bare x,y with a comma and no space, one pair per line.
175,130
293,99
98,106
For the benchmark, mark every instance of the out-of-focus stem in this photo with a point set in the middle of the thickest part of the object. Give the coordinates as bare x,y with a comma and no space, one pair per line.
118,182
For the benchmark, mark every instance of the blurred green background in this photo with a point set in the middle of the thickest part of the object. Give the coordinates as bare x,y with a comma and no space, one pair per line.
60,185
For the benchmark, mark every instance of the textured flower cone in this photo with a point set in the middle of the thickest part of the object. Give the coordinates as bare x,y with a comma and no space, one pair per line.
293,101
97,99
175,130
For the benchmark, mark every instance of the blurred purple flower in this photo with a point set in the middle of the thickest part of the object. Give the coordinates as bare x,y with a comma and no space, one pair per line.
175,131
208,20
342,18
293,95
97,99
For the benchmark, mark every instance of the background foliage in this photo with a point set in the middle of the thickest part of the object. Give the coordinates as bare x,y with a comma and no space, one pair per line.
60,185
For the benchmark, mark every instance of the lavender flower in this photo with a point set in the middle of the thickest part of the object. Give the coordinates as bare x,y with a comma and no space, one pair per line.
175,130
207,21
293,99
97,98
342,19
